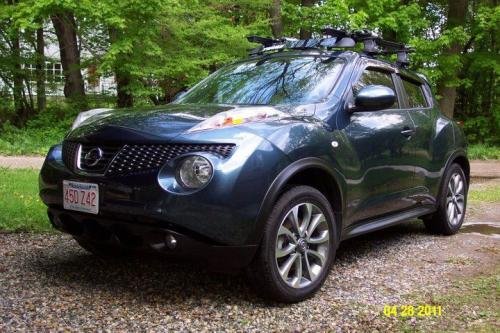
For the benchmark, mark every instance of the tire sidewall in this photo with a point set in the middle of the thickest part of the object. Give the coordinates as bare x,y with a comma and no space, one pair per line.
295,196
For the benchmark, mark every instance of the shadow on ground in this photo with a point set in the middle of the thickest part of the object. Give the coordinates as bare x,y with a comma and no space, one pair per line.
151,278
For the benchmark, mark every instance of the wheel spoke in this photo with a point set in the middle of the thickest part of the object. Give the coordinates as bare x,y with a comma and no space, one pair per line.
285,268
298,271
316,220
458,208
283,252
459,187
310,273
450,211
294,218
284,231
460,198
318,255
450,188
306,218
322,238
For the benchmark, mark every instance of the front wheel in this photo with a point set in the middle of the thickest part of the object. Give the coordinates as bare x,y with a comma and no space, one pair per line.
452,203
298,246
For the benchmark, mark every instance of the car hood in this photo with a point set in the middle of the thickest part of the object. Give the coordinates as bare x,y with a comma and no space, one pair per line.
161,124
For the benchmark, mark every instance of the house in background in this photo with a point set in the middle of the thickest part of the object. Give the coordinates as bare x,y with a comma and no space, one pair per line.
54,76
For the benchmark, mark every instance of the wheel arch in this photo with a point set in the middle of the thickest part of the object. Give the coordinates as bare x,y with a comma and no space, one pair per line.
314,172
464,164
459,157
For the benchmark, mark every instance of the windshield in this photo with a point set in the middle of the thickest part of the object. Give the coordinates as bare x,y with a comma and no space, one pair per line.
268,81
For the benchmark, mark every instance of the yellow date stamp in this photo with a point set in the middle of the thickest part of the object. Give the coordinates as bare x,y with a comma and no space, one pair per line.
424,310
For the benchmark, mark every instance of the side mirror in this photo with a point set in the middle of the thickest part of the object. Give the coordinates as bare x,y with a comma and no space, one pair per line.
374,97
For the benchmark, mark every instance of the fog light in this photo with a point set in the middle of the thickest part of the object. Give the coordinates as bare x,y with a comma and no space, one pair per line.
194,172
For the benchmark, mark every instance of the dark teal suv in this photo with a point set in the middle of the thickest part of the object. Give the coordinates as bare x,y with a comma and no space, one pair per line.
267,164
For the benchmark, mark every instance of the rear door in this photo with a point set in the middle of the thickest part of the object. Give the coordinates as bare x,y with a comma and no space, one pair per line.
418,103
382,180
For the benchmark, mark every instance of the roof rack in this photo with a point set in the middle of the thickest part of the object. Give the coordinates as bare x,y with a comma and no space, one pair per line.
373,45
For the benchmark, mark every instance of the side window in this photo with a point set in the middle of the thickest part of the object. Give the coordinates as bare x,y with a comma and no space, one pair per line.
416,97
375,77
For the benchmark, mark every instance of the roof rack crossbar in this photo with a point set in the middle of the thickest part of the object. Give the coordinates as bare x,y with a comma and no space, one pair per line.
373,45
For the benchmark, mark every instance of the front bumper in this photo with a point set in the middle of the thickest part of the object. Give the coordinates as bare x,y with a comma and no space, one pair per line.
224,213
151,235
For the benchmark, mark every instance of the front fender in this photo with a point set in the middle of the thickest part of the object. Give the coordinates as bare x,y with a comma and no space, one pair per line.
281,181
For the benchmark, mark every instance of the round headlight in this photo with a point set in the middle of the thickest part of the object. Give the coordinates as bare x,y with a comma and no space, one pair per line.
194,172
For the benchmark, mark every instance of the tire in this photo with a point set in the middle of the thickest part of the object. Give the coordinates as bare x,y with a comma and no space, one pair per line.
305,247
103,249
452,203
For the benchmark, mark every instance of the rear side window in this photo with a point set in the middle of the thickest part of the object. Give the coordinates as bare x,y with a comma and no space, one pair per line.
375,77
415,93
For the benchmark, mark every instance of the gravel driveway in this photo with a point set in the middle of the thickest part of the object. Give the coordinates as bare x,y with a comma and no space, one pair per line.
48,283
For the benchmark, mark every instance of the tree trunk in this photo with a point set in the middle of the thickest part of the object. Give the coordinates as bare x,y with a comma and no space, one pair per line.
457,11
40,70
65,27
306,33
276,19
124,98
21,114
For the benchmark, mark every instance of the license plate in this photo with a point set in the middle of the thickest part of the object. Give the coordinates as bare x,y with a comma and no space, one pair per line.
82,197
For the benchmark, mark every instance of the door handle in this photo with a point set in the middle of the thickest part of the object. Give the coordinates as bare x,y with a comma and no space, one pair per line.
408,132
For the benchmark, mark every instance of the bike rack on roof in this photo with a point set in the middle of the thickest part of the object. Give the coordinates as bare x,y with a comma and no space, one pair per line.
373,45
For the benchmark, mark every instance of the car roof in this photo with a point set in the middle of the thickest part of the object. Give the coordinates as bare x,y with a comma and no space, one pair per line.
348,55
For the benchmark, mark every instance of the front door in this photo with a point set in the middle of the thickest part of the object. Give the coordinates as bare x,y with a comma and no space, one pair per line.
381,142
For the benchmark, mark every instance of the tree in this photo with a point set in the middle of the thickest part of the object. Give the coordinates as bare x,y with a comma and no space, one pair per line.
447,86
276,19
40,69
65,27
304,31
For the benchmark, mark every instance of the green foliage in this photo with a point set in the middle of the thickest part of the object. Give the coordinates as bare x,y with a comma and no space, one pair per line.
21,207
44,130
183,42
160,47
482,129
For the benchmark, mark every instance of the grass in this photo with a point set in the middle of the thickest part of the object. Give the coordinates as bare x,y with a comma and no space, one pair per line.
487,193
20,207
471,305
483,152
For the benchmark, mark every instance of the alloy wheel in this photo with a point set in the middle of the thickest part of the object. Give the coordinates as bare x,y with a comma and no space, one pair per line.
302,245
455,199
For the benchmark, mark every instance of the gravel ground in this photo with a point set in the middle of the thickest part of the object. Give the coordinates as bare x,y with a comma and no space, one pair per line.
48,283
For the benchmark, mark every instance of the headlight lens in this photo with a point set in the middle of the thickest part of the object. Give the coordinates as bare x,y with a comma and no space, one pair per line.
194,172
238,117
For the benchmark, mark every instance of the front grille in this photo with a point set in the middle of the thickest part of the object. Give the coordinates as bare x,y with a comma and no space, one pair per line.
129,159
137,158
69,151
